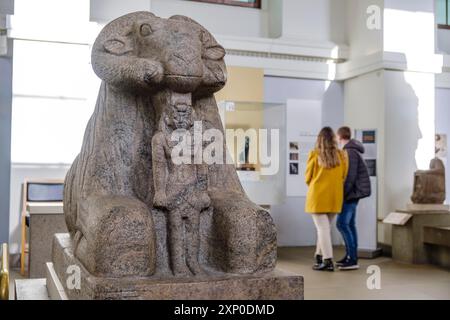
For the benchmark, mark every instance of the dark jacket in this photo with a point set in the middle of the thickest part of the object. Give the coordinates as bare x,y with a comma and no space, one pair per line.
357,184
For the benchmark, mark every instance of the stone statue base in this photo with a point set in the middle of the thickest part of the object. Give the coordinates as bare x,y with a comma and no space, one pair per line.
268,286
415,207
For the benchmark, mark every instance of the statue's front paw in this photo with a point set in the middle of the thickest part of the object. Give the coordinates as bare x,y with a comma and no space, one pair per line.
150,72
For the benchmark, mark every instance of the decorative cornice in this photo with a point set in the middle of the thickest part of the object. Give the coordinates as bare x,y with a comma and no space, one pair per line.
279,56
443,80
432,63
295,68
446,63
285,46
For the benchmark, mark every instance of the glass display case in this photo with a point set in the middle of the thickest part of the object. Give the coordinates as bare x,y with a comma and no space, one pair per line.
256,141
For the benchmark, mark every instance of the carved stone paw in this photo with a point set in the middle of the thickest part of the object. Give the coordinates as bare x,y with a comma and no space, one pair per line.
150,71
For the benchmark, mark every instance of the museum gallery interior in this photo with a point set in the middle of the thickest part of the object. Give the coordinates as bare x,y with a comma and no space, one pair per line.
224,150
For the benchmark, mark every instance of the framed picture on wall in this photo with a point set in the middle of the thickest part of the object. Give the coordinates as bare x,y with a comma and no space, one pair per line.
293,146
293,156
293,168
368,136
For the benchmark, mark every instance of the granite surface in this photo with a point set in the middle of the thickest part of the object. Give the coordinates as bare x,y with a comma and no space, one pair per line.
427,208
265,286
113,209
42,229
429,185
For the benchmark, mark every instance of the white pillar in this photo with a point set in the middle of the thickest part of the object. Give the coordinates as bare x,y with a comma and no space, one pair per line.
5,141
314,20
399,100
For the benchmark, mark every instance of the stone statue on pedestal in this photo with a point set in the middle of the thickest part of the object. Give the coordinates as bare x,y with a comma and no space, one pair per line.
137,220
429,185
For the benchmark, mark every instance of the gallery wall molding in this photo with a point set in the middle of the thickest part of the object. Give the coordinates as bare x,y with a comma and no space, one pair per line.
285,68
446,63
320,68
443,80
387,61
287,46
285,57
280,56
33,165
319,60
359,66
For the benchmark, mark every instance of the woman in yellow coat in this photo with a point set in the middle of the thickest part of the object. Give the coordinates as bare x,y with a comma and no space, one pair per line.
325,175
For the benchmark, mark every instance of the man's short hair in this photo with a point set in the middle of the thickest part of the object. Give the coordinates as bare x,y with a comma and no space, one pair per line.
345,133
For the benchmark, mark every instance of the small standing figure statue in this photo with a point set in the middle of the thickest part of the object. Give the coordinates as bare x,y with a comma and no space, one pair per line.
180,188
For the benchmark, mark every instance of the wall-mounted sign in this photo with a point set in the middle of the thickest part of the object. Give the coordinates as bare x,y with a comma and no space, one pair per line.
368,136
369,140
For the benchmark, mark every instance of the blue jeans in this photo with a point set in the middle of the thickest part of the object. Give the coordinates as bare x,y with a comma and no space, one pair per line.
346,224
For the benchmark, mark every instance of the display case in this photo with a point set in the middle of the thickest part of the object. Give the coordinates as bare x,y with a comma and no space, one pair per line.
256,141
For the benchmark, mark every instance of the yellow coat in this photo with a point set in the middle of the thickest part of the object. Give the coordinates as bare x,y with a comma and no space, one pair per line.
326,186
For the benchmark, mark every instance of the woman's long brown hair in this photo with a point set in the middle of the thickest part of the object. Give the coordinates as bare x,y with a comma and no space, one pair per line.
328,149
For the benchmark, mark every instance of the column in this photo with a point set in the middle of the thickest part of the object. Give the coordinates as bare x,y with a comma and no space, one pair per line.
5,125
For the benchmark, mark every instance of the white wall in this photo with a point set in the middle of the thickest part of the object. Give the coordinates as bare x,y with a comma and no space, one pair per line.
219,19
5,140
362,41
20,172
364,109
443,40
400,105
289,19
275,18
295,227
316,20
443,126
409,28
7,6
410,132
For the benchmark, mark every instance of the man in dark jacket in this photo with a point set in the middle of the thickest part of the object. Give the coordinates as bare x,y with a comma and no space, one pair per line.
357,186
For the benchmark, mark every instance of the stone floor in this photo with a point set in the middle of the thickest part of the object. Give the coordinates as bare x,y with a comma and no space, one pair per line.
398,281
